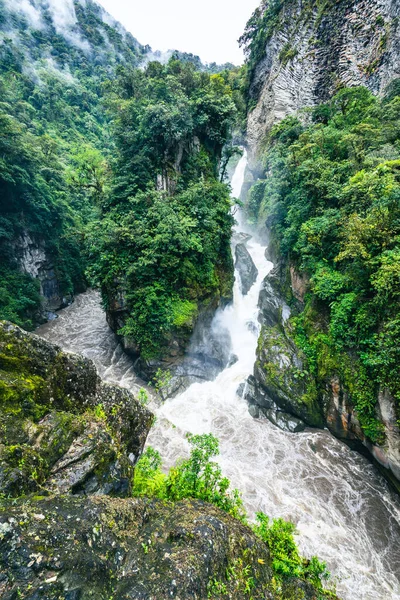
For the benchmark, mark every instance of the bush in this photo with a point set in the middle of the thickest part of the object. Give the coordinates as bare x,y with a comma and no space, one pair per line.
201,478
195,477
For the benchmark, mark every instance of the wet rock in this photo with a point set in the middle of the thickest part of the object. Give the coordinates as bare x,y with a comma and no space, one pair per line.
284,421
233,360
99,547
282,382
246,268
273,307
239,237
61,428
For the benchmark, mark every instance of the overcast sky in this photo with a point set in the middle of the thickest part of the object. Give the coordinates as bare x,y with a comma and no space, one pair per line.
209,28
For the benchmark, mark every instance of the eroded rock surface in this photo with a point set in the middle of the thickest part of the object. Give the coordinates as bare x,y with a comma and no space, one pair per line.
80,548
317,48
61,428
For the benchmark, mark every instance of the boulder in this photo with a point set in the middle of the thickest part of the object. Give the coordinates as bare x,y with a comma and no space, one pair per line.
132,549
246,268
62,429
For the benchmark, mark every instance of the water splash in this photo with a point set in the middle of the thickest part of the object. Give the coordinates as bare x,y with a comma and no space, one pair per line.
342,507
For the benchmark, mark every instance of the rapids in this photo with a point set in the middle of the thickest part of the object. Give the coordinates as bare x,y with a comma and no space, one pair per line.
343,509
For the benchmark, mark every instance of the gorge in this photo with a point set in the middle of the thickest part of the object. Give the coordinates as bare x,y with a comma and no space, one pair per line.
342,508
220,245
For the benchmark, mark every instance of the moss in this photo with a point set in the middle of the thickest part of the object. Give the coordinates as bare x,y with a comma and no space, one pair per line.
52,405
184,313
287,54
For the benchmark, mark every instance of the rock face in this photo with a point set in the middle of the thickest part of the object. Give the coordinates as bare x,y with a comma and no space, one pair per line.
283,388
136,549
61,428
190,350
34,259
315,49
246,268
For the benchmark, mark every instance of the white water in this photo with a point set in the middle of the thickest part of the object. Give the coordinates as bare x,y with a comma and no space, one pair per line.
343,509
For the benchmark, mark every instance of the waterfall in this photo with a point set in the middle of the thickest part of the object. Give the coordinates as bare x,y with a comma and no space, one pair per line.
342,508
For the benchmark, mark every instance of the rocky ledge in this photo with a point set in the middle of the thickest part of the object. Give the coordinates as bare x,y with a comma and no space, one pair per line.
99,547
61,428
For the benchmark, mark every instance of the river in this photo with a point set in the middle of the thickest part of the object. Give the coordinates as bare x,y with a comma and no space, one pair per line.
343,509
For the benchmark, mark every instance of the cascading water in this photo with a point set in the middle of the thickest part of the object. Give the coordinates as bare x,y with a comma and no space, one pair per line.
342,508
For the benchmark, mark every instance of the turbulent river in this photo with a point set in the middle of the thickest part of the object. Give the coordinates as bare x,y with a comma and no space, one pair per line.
343,509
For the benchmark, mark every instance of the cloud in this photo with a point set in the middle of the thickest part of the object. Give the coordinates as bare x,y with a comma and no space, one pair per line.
28,9
62,13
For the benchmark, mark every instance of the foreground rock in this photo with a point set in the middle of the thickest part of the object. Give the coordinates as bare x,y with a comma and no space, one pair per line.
246,268
61,428
69,529
74,548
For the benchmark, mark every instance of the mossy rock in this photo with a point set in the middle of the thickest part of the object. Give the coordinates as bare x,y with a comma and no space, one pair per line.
98,547
280,373
61,428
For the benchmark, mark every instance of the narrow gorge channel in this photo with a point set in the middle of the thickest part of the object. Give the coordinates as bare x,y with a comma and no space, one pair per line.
343,509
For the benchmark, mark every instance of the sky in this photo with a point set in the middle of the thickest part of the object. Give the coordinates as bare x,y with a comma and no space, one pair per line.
208,28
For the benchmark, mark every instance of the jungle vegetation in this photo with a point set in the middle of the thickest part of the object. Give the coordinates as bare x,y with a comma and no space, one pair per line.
332,200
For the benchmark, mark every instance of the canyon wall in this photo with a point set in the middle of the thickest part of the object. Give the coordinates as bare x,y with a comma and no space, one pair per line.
312,50
316,48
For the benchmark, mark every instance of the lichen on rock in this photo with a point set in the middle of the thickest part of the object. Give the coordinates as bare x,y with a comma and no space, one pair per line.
100,547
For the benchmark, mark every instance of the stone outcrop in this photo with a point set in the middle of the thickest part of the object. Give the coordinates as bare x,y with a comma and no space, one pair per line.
34,259
280,388
283,390
315,49
186,349
135,549
246,268
63,430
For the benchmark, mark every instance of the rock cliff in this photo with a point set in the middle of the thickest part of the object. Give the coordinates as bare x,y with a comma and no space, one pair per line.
62,429
313,49
34,258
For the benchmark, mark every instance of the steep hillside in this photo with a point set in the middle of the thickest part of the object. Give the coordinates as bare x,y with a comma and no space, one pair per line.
328,195
161,248
55,61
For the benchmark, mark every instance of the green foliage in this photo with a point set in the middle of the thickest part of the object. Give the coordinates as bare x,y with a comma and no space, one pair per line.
195,477
161,381
332,200
143,397
200,477
164,232
149,479
287,54
286,560
54,142
19,297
